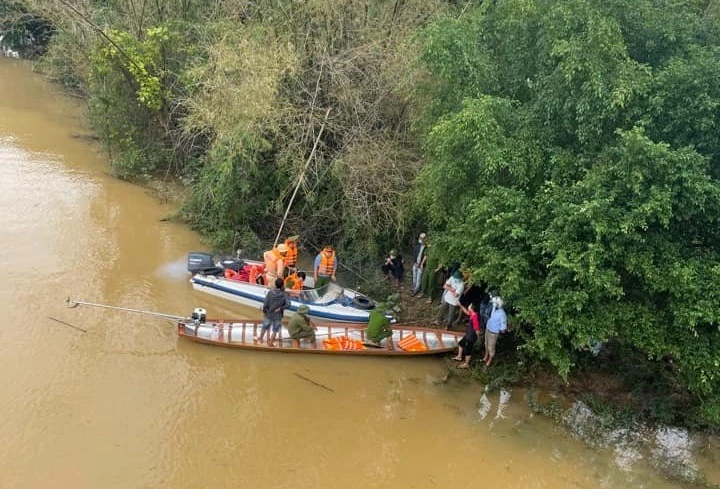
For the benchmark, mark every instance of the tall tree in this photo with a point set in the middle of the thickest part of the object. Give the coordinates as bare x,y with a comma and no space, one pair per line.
573,164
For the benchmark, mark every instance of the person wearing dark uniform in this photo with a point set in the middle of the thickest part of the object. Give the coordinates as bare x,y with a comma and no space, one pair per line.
379,327
299,327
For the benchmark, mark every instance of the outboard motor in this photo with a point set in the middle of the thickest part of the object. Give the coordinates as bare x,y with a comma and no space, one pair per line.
202,263
199,315
234,264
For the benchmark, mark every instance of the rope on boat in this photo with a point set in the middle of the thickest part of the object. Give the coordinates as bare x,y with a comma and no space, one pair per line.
71,304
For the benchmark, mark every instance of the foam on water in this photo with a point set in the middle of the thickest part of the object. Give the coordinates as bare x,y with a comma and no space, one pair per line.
175,270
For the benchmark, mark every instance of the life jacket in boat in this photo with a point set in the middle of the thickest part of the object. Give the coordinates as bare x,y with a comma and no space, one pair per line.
293,282
231,274
292,254
327,264
255,272
274,265
411,343
342,343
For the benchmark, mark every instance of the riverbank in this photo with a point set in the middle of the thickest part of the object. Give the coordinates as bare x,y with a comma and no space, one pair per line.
616,400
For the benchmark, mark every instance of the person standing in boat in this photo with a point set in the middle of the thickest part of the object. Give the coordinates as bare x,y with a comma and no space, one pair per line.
326,263
275,263
291,256
299,327
274,305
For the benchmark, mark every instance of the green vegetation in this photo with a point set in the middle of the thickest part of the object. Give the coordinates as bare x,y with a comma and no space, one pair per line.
591,195
568,152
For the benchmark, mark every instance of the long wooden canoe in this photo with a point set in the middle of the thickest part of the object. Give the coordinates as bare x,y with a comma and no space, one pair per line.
240,333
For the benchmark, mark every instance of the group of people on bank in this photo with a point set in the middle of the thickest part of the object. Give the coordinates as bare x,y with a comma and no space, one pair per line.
459,299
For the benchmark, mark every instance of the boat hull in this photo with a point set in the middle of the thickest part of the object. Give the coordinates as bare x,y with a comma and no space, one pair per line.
339,310
240,334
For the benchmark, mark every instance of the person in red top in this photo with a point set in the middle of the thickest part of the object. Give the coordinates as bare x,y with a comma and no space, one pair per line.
467,342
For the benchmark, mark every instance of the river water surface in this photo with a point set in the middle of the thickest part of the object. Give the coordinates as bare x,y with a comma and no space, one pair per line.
127,404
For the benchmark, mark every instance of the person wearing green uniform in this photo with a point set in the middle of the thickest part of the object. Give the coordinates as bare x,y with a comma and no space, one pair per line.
433,278
299,327
379,327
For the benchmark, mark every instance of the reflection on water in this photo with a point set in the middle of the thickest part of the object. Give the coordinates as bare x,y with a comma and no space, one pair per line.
129,405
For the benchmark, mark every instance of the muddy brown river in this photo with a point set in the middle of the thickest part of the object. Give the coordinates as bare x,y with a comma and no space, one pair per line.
127,404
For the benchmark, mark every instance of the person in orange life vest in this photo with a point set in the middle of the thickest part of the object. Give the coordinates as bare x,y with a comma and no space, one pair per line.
256,274
294,283
275,263
292,255
326,263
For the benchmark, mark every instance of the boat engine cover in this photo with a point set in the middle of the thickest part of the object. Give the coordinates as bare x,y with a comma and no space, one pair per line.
234,264
199,262
199,315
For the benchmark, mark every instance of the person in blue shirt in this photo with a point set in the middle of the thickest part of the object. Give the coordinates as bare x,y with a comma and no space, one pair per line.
495,325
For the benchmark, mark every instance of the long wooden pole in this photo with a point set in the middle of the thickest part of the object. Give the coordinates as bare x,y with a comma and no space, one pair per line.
301,177
72,303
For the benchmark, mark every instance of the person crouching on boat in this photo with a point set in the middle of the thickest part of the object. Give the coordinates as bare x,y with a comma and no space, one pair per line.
276,301
299,327
274,263
326,264
379,327
291,256
294,283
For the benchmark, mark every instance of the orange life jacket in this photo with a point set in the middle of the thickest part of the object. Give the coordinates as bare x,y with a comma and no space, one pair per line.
342,343
274,265
255,270
297,282
292,254
411,343
231,274
327,264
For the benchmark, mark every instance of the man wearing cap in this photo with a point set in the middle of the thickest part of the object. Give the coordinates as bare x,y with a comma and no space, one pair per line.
450,301
496,324
275,263
291,255
299,327
419,257
379,327
326,264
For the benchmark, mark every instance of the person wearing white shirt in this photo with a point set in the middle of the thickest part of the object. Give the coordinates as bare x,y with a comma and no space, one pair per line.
419,257
450,302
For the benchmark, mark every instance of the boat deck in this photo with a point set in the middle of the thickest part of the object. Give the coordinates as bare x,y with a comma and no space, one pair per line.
241,334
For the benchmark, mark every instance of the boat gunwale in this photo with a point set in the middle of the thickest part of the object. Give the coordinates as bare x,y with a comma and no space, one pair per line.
372,351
